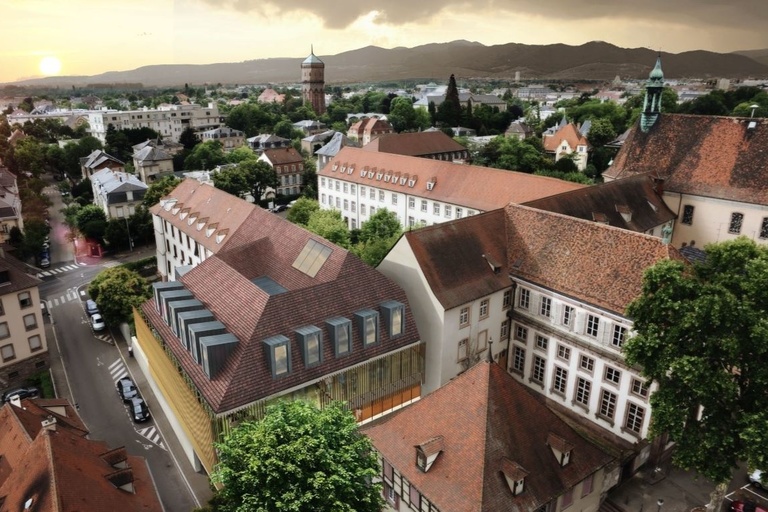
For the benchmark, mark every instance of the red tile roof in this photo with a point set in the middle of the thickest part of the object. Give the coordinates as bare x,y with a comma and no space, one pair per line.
568,133
282,156
481,188
489,423
709,156
61,470
267,245
415,144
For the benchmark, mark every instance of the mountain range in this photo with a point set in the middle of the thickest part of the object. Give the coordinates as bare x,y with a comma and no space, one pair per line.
595,60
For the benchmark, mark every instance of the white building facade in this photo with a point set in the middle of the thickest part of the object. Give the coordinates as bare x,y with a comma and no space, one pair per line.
167,120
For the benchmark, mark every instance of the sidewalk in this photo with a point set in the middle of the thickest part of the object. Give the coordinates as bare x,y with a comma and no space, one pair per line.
681,491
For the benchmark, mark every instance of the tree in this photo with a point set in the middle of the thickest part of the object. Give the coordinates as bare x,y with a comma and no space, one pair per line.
117,291
158,189
402,115
329,225
381,225
601,133
298,459
302,210
701,336
91,221
250,176
205,155
449,111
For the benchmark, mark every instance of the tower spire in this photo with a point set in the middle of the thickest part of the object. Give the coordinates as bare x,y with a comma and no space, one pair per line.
653,90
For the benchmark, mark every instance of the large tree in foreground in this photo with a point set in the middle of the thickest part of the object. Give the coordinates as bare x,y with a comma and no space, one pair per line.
117,290
298,458
702,336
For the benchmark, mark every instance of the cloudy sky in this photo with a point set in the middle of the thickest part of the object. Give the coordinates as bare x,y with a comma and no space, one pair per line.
87,37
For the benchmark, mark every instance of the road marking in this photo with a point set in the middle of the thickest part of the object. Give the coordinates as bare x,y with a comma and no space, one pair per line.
55,302
118,370
71,296
82,293
152,435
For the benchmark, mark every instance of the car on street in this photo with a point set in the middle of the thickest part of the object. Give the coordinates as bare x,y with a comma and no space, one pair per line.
22,393
127,389
747,506
290,205
45,262
756,478
97,322
91,308
279,208
139,409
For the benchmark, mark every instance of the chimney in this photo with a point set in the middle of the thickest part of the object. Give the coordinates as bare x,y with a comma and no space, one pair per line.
49,423
658,185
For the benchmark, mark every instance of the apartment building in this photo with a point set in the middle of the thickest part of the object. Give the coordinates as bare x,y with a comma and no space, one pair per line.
169,121
117,193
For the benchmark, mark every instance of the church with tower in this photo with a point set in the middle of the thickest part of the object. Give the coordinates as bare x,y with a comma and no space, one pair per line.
313,82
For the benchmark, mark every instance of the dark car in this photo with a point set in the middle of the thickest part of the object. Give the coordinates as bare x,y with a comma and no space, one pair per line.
747,506
127,389
22,393
279,208
139,410
91,308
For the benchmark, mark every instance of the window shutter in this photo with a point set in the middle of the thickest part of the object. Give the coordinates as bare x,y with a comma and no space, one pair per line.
605,335
581,318
556,318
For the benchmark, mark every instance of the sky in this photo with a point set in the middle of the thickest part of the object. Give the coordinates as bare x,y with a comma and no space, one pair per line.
88,37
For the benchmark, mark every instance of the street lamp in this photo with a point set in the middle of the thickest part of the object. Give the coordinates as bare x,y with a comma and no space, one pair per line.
128,228
753,107
659,503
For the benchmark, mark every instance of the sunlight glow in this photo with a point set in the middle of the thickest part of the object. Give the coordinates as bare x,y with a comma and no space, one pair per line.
50,66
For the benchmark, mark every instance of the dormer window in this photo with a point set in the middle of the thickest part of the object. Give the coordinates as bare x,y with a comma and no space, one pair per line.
394,317
368,326
277,351
515,476
561,449
339,329
310,340
427,452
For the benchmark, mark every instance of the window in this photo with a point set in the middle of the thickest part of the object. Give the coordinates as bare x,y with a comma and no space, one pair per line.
394,199
278,349
764,228
607,404
338,202
338,185
482,340
414,498
411,203
545,307
586,485
372,194
542,342
368,326
564,352
504,330
447,211
4,331
436,208
736,220
583,390
394,317
346,204
484,308
463,351
25,300
506,302
346,185
310,339
362,209
322,182
639,388
339,330
525,298
30,322
567,315
7,352
687,214
518,359
612,375
322,199
423,205
567,499
353,207
381,196
464,317
619,333
35,343
587,363
539,369
521,333
593,325
635,416
560,380
362,192
459,212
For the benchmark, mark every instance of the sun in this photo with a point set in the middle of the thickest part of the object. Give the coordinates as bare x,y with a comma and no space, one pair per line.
50,65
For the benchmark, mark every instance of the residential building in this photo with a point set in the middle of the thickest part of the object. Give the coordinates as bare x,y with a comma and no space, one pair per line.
228,137
433,144
367,129
519,129
422,191
23,346
169,121
275,311
326,153
289,166
99,160
267,141
49,464
465,98
313,83
10,204
484,443
568,141
312,143
310,126
151,161
117,193
270,95
552,291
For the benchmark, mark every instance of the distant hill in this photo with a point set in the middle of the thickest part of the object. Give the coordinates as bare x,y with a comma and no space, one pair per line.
595,60
760,56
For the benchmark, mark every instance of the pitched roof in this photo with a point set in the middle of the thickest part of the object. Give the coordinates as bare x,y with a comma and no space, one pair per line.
635,199
282,156
499,425
719,157
204,207
338,141
457,258
151,154
59,469
266,245
110,181
415,143
568,133
98,158
18,277
481,188
580,258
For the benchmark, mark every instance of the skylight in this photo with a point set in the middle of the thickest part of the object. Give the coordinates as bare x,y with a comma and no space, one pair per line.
312,258
269,285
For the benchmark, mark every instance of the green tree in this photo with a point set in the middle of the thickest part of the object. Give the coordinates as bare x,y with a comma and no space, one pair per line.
329,225
205,155
381,225
117,291
701,336
302,210
449,111
248,177
35,231
116,234
91,221
601,133
158,189
402,115
29,155
298,459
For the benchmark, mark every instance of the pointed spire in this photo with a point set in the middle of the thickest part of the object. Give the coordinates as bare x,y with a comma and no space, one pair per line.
490,350
653,91
311,49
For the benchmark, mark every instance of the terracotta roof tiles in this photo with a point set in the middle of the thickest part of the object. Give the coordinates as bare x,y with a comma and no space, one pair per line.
415,144
282,156
568,133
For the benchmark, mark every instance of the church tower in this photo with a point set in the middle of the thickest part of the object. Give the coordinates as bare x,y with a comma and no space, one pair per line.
652,104
313,82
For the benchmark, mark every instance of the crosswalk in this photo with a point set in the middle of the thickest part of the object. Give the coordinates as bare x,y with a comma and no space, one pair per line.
117,371
71,295
58,270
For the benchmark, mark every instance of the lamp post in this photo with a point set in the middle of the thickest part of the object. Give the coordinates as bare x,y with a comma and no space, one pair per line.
659,503
128,228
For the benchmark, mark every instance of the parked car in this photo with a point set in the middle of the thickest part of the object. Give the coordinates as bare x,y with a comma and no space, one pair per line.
127,389
91,308
291,203
747,506
45,263
139,409
97,322
756,478
279,208
28,392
